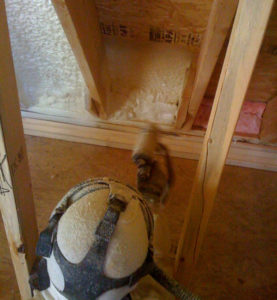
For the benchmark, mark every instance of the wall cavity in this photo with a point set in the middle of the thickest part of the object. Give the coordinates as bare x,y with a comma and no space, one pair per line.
47,73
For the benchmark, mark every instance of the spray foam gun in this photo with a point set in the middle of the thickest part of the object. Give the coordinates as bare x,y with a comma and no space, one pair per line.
154,184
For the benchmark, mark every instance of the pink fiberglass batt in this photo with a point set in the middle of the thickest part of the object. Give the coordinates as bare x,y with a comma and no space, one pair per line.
249,122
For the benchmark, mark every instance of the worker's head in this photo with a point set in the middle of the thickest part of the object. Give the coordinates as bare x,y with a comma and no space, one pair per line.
101,243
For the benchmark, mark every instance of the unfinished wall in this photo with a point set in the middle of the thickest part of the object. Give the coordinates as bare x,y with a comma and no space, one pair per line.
147,78
147,45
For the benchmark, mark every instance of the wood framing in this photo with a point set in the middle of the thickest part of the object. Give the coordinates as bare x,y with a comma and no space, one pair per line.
220,21
246,38
263,84
80,23
269,123
16,202
182,112
124,137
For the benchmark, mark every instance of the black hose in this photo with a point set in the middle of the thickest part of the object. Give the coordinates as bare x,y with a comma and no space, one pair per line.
172,285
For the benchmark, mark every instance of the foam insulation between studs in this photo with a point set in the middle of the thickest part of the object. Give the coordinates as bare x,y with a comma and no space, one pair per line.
47,73
146,78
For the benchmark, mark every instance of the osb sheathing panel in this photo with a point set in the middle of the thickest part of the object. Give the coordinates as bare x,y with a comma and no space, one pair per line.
183,22
175,22
263,85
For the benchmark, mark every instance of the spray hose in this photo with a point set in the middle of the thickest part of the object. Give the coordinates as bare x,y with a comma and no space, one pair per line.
154,184
172,285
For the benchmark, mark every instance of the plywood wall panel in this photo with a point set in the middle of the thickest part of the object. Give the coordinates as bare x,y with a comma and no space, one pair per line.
175,21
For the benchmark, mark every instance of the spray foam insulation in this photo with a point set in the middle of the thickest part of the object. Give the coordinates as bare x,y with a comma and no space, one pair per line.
46,70
147,78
